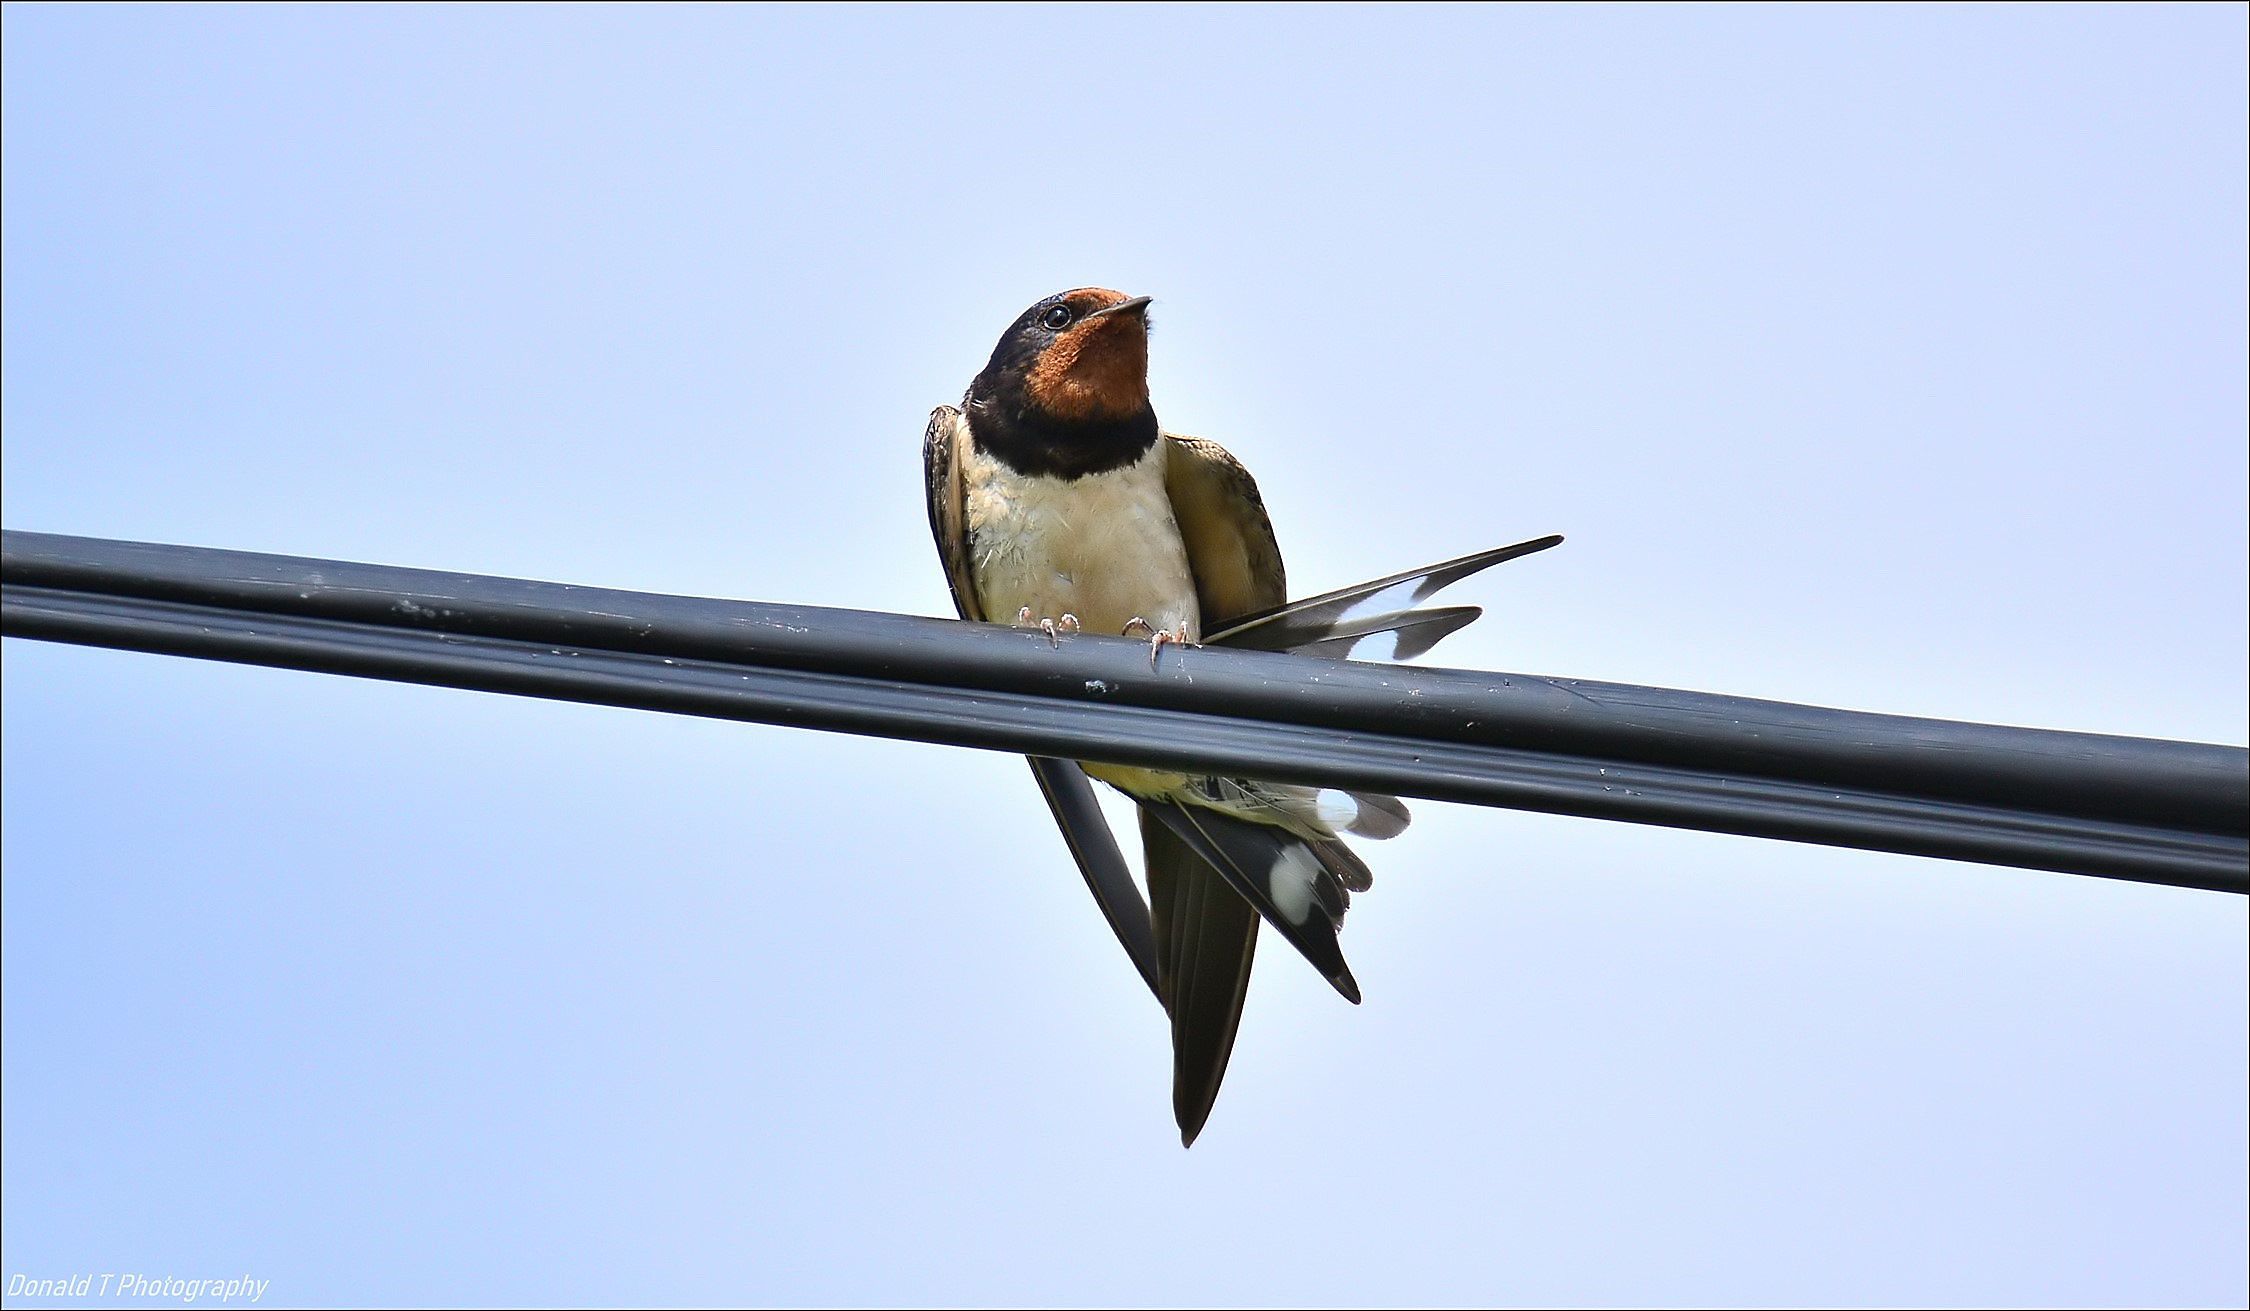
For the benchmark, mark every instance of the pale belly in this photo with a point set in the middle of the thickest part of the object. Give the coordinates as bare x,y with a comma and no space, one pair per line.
1104,547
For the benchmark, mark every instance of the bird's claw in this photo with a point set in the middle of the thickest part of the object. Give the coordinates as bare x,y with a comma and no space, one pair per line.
1158,638
1067,624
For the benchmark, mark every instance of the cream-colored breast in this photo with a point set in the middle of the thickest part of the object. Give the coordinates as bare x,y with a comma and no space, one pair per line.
1104,547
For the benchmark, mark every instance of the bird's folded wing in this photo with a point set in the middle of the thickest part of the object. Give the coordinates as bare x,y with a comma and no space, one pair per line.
948,505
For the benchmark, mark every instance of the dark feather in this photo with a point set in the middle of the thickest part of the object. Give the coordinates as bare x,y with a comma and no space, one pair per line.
1206,938
1397,635
1365,609
1070,797
1272,868
1346,865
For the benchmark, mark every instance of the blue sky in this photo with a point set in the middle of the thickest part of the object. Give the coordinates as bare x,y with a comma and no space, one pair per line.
1888,359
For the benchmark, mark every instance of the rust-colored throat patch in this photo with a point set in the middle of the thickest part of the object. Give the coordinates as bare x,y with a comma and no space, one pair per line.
1097,368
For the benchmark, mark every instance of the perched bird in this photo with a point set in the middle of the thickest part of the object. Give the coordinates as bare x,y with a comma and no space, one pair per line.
1058,503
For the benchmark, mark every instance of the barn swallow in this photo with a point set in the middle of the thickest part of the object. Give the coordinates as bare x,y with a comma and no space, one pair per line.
1058,502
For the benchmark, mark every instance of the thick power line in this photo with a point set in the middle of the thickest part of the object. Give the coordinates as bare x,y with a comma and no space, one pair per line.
2132,808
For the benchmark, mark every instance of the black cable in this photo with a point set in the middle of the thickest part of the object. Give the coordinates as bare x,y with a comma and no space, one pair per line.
2151,811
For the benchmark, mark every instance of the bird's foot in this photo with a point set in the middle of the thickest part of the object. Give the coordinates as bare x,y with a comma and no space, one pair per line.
1067,624
1158,638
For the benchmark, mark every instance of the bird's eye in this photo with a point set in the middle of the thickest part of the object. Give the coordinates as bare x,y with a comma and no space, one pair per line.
1057,316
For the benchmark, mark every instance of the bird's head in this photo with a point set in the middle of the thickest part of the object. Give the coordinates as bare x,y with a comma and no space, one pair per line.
1067,387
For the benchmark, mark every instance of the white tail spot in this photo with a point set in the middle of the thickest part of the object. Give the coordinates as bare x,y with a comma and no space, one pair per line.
1338,810
1375,647
1290,881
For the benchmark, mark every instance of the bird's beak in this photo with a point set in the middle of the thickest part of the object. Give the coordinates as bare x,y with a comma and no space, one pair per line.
1133,306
